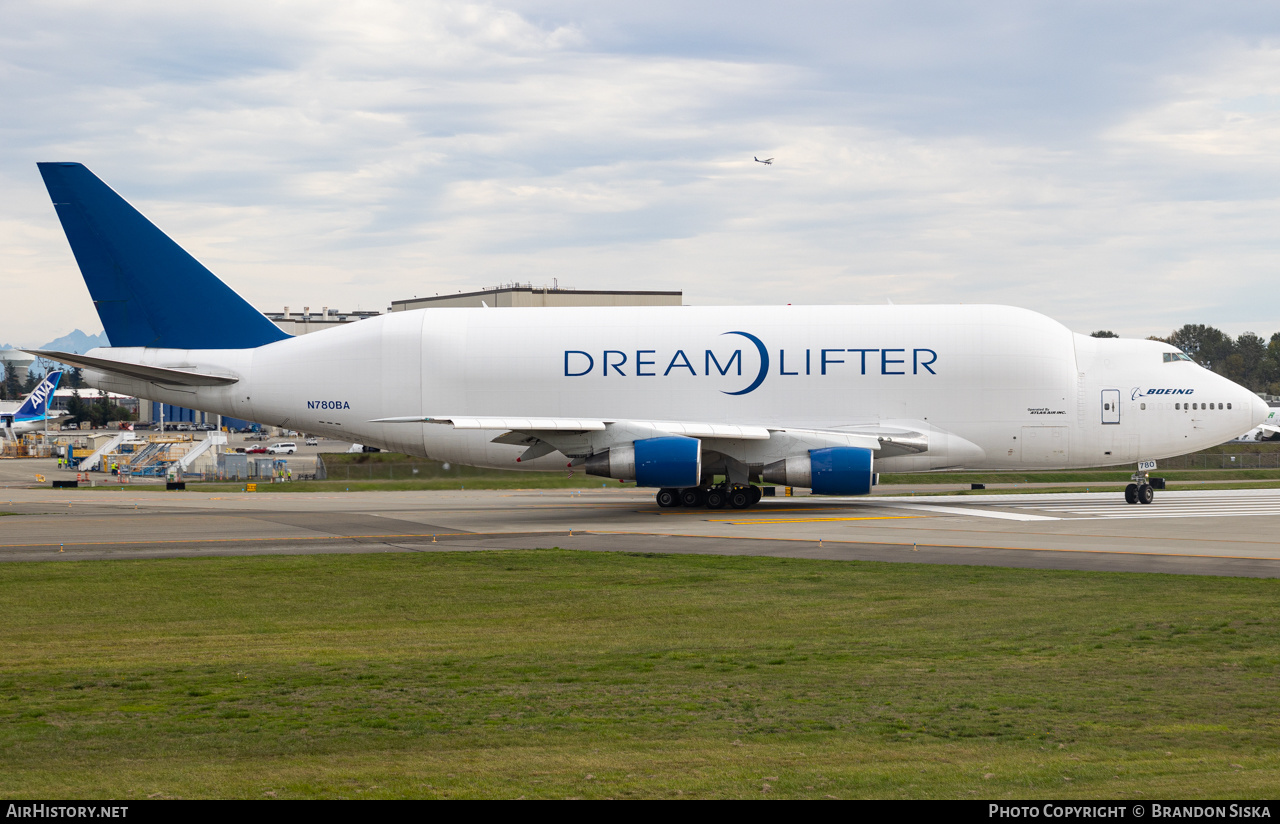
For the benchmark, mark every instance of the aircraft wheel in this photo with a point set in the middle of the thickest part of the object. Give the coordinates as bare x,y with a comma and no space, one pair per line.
716,498
756,494
1131,494
1146,494
740,498
668,498
693,497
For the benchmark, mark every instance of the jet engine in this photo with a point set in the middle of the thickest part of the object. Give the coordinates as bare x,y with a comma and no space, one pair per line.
674,461
836,470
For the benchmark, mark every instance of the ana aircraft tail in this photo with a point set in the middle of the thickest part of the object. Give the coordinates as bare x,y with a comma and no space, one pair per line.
36,405
148,291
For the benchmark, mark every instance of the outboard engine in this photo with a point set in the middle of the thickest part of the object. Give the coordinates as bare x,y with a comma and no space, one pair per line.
836,470
672,461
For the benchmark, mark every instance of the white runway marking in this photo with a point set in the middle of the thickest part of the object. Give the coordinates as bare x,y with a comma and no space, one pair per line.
976,512
1233,503
1226,504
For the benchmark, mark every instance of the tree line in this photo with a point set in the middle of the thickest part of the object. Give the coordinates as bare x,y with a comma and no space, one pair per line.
12,389
97,411
1249,360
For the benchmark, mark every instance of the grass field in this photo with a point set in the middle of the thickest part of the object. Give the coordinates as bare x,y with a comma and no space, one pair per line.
1175,486
889,485
527,481
889,490
570,674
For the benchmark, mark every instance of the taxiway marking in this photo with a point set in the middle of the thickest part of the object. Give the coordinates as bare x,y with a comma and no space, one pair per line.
813,520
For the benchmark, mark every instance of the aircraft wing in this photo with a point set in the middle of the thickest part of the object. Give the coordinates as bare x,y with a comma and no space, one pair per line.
547,424
137,371
579,438
693,430
1268,428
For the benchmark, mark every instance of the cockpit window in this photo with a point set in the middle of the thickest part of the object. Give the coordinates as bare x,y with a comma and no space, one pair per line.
1170,357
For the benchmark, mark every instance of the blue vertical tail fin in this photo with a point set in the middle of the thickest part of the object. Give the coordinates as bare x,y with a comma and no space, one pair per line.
36,406
148,291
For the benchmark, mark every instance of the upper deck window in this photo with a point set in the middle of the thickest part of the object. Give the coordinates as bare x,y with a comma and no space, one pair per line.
1170,357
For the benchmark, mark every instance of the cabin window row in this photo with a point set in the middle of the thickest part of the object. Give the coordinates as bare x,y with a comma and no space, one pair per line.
1185,407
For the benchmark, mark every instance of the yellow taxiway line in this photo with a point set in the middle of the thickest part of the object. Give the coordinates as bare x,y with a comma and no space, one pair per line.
814,520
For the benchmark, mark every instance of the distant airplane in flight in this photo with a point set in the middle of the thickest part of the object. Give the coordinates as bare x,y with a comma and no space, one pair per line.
768,162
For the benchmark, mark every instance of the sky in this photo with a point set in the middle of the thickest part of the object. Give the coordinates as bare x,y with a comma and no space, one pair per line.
1112,165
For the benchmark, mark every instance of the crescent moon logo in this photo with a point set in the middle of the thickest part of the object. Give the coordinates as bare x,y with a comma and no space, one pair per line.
764,363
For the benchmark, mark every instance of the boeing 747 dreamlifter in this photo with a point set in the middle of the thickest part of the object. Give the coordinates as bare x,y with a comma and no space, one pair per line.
694,401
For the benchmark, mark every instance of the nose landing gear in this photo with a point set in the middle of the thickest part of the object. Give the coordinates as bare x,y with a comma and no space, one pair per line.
1136,493
1142,490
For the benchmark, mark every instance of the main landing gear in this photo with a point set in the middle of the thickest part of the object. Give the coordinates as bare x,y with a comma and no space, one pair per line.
735,496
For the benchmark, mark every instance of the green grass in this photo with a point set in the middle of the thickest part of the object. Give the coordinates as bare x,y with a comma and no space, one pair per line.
1101,487
528,481
1085,476
390,471
889,484
533,481
555,674
1240,448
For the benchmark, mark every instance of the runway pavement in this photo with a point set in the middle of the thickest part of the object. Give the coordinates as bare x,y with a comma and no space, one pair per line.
1214,533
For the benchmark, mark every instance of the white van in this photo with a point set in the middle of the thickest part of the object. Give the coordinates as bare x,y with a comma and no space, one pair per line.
285,448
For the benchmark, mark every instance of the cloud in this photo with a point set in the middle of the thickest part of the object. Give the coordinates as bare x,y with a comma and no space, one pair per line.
1110,166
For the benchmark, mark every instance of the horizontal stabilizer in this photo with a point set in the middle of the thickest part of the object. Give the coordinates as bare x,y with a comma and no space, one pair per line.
137,371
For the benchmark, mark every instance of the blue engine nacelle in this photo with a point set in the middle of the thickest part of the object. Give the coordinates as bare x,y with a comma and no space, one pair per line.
837,470
670,461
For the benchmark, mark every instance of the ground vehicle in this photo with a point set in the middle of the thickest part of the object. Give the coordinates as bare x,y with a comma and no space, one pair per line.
312,442
256,450
283,448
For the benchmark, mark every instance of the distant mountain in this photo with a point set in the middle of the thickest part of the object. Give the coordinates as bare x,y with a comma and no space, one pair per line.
77,343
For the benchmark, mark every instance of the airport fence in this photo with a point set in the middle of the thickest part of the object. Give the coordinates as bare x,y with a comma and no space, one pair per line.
423,470
1240,460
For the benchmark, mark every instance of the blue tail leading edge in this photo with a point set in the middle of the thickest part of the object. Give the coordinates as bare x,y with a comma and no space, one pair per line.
36,406
148,291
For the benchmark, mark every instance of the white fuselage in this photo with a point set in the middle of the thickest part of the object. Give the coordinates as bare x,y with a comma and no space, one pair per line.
994,387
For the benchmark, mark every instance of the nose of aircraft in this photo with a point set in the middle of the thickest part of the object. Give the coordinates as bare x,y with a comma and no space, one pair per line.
1260,410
